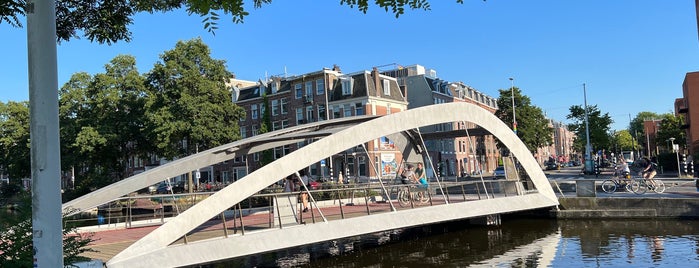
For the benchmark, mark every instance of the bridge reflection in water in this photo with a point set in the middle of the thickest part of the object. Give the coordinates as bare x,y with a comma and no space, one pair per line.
175,243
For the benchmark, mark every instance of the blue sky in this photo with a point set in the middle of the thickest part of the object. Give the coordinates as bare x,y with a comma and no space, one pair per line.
632,55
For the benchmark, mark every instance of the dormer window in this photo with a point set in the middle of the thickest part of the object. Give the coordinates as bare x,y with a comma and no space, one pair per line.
387,87
274,87
346,86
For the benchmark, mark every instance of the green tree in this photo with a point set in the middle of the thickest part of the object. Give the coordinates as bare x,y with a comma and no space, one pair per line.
16,235
670,127
532,126
189,107
599,125
107,21
624,141
266,126
102,118
14,139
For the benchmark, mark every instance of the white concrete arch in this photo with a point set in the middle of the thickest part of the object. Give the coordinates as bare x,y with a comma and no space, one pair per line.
156,243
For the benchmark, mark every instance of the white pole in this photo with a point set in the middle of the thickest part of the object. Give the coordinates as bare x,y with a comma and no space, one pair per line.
514,117
45,150
588,147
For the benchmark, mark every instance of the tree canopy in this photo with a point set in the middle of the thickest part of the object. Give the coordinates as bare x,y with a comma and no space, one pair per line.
189,107
599,125
107,21
532,126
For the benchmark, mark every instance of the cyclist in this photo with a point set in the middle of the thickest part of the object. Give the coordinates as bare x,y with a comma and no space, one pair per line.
649,171
408,175
622,169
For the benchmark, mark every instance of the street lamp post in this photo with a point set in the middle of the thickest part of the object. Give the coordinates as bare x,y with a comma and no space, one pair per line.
514,117
677,153
588,149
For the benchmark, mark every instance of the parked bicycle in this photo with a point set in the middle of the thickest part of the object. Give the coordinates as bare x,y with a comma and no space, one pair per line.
413,194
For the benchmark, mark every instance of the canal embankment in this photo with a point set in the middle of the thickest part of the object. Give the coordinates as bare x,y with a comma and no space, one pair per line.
585,200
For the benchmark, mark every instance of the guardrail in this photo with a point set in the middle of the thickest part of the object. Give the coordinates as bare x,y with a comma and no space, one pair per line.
273,208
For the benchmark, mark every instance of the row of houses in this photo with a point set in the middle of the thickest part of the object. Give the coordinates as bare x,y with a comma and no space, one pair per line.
330,93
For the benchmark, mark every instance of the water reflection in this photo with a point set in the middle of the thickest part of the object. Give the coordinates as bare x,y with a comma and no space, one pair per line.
517,243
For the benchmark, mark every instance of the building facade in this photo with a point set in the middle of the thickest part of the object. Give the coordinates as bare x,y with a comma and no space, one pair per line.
453,156
316,96
687,107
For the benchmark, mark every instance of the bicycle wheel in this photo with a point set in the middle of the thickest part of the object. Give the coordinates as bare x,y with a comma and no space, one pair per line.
659,187
403,197
423,197
639,186
608,186
627,186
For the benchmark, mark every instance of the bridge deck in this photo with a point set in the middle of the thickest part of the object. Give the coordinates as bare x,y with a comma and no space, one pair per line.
110,241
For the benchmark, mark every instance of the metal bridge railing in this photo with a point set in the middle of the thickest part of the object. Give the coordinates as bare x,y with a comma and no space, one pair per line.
265,210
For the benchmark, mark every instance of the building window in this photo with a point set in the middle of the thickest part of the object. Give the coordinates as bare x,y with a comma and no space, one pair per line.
358,108
256,157
298,90
346,86
299,116
274,87
285,123
255,113
320,86
276,125
278,152
387,87
309,88
275,107
347,110
283,106
321,112
336,111
309,113
243,132
254,131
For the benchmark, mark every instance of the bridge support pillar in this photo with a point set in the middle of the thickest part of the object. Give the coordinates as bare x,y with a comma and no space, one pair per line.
585,188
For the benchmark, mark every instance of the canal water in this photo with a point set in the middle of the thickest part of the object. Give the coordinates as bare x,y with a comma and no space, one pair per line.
516,243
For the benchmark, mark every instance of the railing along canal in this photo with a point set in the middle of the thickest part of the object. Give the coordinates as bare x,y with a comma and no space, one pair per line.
265,210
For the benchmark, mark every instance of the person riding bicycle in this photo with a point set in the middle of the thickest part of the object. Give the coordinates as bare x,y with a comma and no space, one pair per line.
649,171
622,169
408,175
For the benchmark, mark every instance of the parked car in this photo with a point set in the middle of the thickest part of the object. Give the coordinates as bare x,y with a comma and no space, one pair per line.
314,184
551,166
163,188
499,172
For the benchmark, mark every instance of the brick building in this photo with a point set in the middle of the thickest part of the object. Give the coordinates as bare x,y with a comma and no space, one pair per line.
687,107
316,96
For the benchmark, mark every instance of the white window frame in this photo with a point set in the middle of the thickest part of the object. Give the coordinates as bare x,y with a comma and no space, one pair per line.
299,115
320,86
275,107
297,89
347,110
309,88
309,113
387,87
284,106
346,86
254,112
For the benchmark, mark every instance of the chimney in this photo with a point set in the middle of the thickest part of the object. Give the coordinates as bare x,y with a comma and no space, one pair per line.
336,68
377,81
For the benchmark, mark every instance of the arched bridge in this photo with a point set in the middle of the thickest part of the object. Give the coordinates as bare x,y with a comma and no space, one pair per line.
163,247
